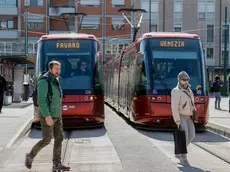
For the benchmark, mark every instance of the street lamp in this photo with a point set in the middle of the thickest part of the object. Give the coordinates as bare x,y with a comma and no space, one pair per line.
26,4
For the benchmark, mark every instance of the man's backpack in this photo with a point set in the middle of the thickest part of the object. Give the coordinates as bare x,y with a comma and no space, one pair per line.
49,94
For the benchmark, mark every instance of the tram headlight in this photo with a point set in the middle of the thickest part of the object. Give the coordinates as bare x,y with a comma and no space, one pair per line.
201,99
91,98
153,98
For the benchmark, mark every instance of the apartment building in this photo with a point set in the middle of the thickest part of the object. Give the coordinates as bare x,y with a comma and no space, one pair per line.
116,31
44,18
203,17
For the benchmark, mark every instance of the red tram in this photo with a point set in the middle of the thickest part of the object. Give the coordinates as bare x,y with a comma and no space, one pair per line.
83,101
139,81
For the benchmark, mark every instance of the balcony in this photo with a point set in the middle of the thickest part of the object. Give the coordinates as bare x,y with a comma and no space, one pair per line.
8,34
56,11
8,10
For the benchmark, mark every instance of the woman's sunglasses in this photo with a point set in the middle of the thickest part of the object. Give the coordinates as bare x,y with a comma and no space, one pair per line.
184,79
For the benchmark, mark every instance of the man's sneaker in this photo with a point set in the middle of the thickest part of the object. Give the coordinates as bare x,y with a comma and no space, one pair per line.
60,167
28,161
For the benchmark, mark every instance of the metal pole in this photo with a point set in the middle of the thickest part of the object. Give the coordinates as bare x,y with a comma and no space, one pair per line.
104,26
225,48
221,32
26,36
150,4
163,15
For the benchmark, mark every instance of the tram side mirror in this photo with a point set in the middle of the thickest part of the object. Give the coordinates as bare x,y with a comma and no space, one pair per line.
140,54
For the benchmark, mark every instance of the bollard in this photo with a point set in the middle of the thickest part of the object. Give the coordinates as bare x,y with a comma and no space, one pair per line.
26,91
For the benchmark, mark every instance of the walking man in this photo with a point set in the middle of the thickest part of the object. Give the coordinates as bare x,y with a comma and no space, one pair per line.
49,111
2,90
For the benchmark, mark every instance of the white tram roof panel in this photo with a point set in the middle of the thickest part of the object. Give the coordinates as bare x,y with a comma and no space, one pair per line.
68,36
170,35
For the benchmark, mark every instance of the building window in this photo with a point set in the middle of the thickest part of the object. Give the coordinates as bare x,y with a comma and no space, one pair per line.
210,33
91,23
2,47
31,48
108,48
8,47
35,22
202,9
35,25
223,33
90,3
11,3
36,2
178,6
3,24
177,29
114,49
10,24
206,8
154,10
6,24
178,17
120,47
15,47
40,2
118,23
118,3
153,28
210,9
209,53
178,11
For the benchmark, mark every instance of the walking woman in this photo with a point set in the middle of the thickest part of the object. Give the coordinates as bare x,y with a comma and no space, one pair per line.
182,110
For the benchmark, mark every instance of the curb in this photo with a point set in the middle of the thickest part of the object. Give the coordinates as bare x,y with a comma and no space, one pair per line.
21,132
219,129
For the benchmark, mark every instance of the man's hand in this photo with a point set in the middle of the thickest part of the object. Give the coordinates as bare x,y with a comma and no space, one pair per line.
178,123
49,120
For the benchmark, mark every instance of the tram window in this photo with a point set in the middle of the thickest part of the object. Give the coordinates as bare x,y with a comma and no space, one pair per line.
141,79
76,70
167,65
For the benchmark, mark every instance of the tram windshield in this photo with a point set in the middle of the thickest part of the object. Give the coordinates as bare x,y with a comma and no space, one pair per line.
168,57
77,58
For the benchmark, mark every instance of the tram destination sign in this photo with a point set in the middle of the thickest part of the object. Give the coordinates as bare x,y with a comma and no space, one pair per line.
181,43
69,45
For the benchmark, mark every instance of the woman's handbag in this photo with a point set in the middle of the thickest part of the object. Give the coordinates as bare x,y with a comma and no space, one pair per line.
195,113
180,142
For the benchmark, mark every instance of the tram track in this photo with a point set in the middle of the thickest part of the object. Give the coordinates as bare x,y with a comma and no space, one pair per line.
211,151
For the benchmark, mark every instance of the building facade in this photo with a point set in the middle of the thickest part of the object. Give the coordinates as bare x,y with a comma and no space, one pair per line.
44,18
202,17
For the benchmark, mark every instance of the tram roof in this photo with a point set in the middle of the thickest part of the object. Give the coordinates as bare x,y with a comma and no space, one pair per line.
68,36
170,35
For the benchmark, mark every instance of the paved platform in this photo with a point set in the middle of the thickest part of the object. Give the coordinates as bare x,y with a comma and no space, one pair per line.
219,120
14,119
